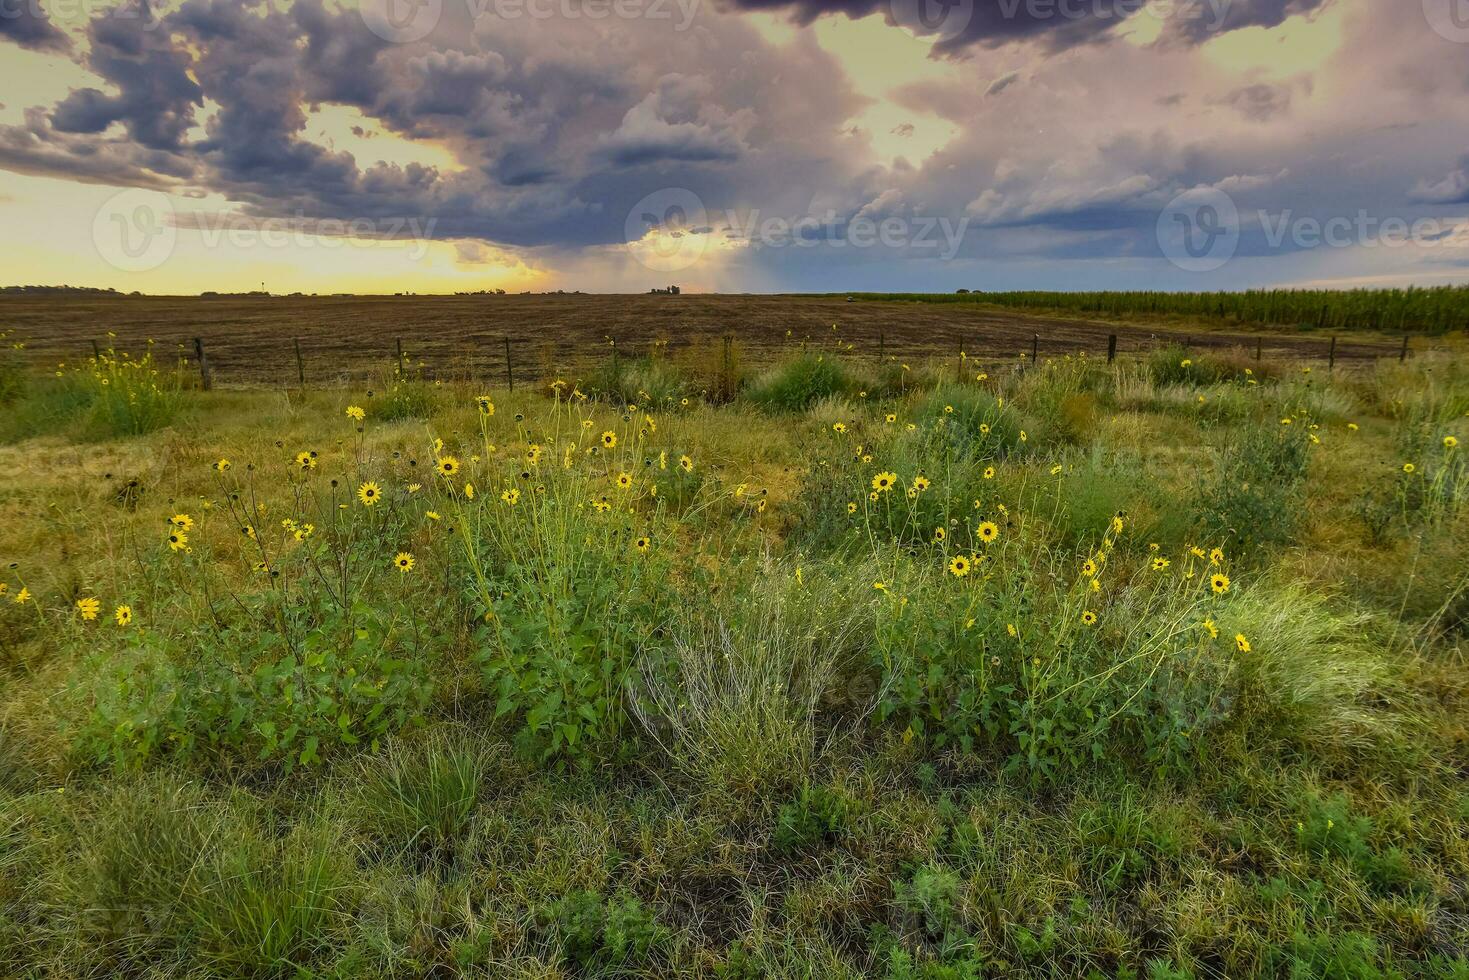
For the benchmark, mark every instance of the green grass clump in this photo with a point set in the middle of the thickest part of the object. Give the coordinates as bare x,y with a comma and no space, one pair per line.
798,383
735,701
653,383
403,397
419,794
14,378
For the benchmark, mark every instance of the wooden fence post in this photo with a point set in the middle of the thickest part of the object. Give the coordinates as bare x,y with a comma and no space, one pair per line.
1035,349
1111,348
1259,347
1331,356
399,342
726,373
881,347
1403,356
300,364
96,351
206,377
509,367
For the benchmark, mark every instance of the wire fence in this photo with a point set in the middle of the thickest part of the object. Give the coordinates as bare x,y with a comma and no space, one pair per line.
510,359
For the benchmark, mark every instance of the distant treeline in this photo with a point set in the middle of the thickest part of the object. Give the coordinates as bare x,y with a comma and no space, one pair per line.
1414,310
60,290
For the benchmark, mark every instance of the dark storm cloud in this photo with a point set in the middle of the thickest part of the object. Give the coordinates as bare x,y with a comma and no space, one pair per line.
1056,24
156,97
1196,21
559,126
25,22
35,150
1060,23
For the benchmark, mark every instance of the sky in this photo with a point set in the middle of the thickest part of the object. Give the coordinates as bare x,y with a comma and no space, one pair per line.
437,146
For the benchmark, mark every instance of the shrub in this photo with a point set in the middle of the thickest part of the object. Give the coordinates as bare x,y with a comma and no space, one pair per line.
944,473
796,384
969,422
1179,366
565,599
1062,398
1036,665
110,396
1254,500
651,383
1080,502
286,695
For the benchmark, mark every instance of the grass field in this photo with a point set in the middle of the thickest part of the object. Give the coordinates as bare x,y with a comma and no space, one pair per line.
727,664
251,340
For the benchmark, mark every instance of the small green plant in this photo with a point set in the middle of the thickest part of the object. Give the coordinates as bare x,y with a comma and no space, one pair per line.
287,696
602,933
927,904
403,397
817,817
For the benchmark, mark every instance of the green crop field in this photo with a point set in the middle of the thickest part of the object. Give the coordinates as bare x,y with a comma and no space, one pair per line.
703,664
1430,310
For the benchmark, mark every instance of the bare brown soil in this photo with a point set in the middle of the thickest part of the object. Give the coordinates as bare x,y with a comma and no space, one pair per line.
251,340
